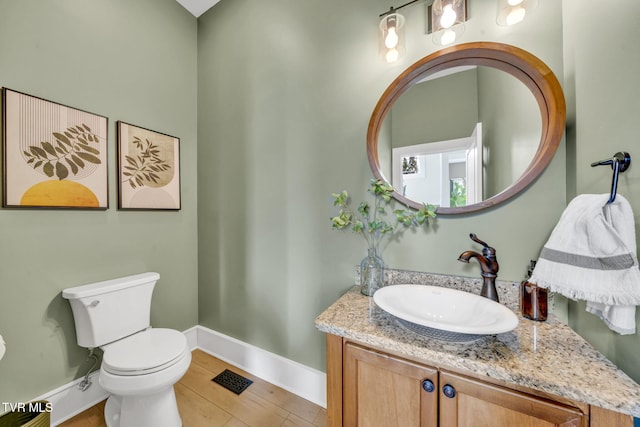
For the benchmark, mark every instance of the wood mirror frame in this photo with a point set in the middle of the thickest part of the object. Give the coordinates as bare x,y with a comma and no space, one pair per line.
527,68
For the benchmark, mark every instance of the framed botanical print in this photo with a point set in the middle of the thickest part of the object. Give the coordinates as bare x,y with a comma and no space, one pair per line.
54,156
148,169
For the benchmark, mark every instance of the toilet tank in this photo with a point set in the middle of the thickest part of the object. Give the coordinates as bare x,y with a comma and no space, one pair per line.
108,311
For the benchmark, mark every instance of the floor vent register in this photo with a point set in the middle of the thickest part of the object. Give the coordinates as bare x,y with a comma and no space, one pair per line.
232,381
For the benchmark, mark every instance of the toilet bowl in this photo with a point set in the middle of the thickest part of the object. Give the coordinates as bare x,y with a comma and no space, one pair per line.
139,372
140,364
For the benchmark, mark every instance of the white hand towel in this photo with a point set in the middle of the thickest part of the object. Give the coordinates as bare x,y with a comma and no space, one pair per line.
591,255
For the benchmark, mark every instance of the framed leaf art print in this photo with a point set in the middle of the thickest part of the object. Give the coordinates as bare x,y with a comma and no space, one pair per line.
54,156
148,169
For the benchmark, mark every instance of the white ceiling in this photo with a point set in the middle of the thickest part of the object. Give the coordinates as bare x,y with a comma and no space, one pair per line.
197,7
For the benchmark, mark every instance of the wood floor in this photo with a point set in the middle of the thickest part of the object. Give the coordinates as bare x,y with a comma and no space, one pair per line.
202,402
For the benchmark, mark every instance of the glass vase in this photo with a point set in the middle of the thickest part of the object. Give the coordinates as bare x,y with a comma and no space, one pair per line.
371,273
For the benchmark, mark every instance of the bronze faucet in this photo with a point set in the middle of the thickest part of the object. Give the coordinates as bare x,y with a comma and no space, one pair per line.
488,264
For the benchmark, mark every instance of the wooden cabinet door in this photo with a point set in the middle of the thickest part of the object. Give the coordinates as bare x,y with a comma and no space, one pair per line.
381,390
470,403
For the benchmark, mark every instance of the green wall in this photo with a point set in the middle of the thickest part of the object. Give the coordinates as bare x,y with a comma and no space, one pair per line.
601,72
128,60
286,90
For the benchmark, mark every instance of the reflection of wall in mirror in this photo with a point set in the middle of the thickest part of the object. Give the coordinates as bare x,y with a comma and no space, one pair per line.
436,110
511,126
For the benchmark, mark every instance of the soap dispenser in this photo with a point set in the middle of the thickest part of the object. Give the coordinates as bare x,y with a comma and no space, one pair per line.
533,299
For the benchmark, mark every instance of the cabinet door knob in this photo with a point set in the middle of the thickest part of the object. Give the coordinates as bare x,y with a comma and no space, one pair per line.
428,386
449,391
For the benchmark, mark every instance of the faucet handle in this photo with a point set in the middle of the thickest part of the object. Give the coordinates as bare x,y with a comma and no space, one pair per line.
487,250
475,239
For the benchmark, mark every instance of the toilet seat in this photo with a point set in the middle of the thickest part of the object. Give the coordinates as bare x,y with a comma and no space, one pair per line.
145,352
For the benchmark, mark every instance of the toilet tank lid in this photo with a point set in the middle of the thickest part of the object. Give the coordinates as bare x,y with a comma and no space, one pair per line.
106,286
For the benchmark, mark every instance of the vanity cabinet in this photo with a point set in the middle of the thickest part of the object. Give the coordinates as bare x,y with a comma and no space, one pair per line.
466,402
368,387
381,390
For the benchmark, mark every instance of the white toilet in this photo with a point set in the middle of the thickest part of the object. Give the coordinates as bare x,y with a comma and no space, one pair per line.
140,364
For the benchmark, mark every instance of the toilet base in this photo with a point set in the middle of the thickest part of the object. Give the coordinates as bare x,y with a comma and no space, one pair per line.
155,410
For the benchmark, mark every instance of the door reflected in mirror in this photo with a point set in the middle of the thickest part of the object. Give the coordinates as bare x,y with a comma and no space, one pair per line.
443,173
458,137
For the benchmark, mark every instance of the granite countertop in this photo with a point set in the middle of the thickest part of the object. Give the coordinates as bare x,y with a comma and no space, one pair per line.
545,356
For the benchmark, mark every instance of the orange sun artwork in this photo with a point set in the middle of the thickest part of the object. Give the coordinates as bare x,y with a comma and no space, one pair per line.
54,156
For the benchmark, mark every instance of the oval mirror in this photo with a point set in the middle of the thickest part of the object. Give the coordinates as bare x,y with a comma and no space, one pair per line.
467,127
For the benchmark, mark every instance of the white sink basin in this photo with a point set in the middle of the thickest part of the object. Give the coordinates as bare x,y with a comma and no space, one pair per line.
447,310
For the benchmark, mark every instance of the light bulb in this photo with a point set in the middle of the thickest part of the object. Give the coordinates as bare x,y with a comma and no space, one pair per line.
514,2
391,40
448,17
516,15
448,37
392,55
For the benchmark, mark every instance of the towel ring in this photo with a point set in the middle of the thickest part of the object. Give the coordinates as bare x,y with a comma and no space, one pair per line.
620,162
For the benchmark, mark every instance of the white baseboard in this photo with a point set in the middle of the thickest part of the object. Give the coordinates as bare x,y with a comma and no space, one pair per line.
192,337
68,400
292,376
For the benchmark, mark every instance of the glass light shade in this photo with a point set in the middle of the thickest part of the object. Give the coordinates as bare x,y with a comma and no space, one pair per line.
448,36
447,13
511,12
391,38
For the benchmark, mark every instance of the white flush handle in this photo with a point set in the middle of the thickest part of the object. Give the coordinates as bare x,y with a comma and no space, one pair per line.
94,303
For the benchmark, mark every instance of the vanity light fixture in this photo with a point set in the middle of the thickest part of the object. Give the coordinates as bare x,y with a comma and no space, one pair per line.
511,12
391,43
391,38
446,18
